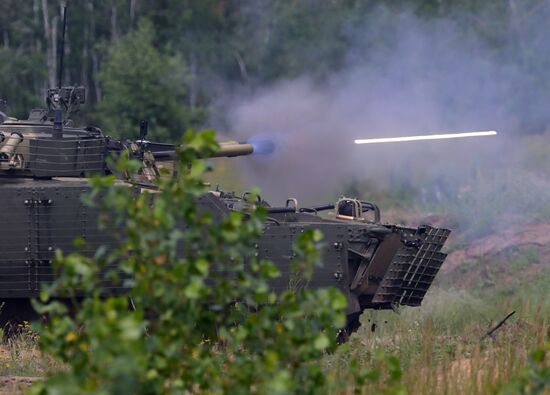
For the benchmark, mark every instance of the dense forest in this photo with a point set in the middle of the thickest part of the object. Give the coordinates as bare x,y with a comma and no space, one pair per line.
167,60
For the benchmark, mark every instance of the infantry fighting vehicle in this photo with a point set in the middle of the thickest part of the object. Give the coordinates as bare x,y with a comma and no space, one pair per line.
44,162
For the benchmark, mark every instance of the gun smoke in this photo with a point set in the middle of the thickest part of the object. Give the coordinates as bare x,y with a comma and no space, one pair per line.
422,77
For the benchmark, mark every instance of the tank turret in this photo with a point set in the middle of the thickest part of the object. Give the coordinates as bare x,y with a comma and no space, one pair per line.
47,144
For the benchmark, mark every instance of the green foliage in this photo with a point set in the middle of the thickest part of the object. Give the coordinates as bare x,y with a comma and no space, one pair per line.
200,316
18,70
141,82
535,378
373,371
294,38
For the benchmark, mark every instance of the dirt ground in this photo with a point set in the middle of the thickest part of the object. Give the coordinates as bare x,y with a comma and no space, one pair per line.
535,233
15,384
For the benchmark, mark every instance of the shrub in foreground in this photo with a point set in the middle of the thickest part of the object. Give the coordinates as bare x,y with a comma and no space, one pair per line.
200,316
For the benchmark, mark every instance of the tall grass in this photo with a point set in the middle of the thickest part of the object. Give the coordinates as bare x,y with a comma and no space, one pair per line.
440,344
20,354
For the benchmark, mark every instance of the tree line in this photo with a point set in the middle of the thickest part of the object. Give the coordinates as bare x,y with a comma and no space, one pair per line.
166,60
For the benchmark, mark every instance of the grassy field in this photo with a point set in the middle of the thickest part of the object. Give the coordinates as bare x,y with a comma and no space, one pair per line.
443,347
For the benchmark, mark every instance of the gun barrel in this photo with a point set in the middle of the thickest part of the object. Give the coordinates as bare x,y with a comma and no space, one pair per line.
233,148
227,149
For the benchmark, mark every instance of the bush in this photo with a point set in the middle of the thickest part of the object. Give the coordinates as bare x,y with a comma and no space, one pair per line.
535,378
202,318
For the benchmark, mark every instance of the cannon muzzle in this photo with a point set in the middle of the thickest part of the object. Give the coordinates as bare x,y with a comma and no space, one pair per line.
233,148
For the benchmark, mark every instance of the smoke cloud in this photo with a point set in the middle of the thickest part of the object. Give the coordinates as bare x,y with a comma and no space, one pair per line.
420,77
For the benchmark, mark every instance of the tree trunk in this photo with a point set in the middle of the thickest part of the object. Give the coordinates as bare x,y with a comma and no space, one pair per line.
242,65
93,53
95,74
36,15
114,32
85,61
132,11
193,82
6,39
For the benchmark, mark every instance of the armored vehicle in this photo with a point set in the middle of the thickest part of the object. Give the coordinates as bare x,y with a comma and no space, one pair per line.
44,162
